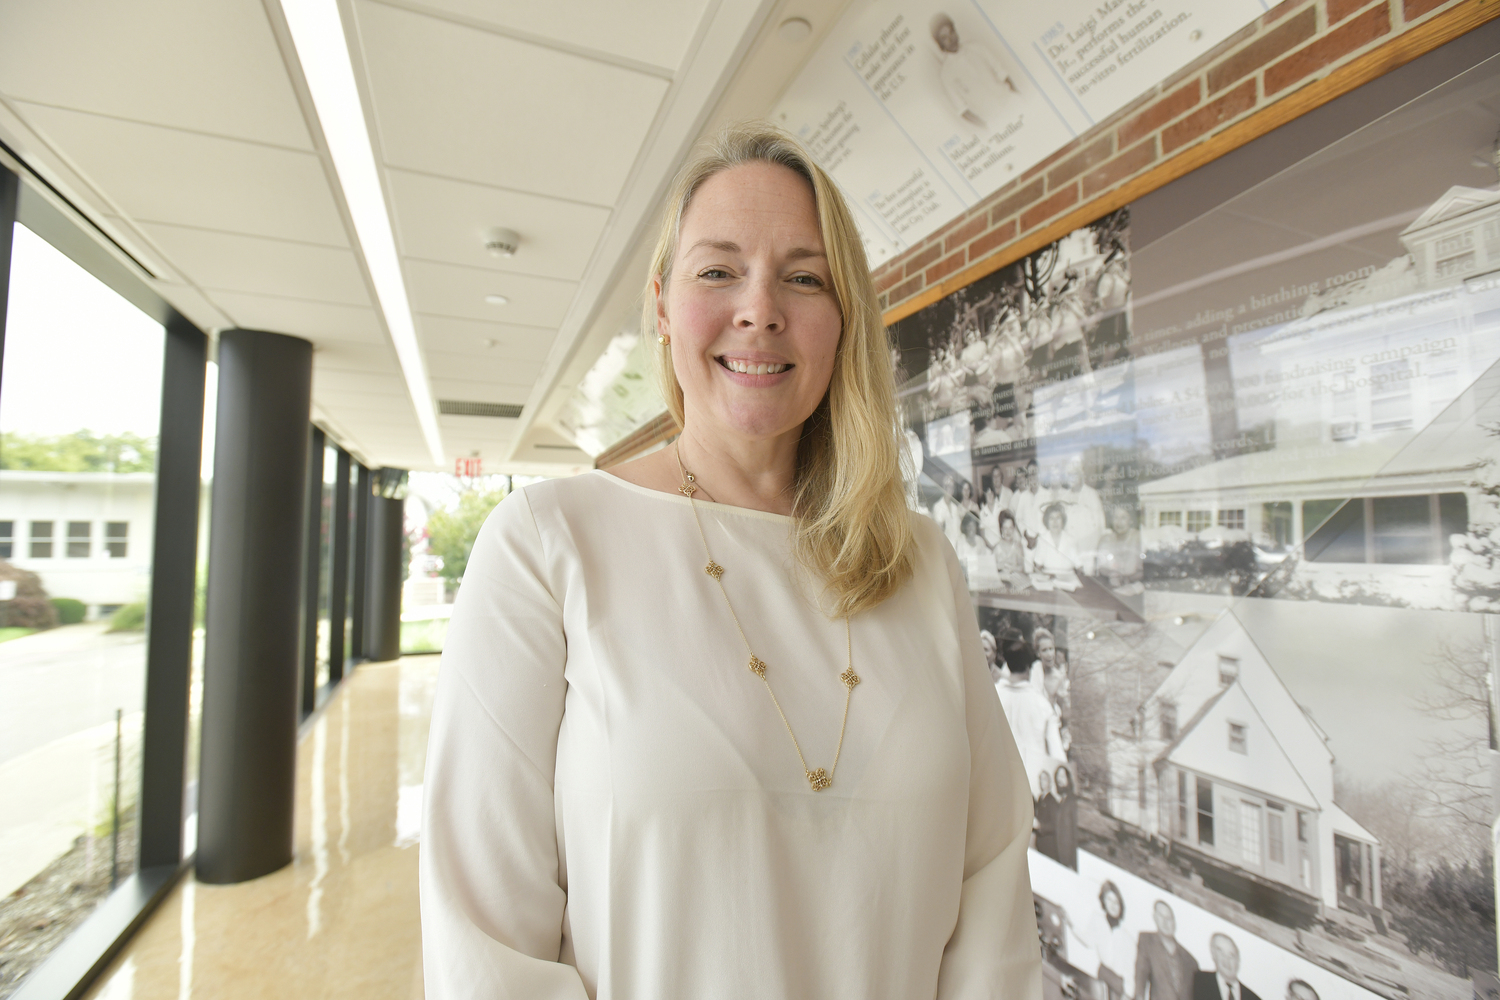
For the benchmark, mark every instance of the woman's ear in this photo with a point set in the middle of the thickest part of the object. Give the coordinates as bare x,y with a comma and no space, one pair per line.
658,293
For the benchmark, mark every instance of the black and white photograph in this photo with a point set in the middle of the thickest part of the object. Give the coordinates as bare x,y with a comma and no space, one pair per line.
1231,528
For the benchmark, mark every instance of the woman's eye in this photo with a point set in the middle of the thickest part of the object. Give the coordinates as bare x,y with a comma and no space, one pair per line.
810,280
714,274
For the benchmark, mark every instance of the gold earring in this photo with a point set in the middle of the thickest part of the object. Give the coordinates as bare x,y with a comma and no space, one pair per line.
663,339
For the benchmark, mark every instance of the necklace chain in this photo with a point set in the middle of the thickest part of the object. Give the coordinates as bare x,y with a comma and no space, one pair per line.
818,778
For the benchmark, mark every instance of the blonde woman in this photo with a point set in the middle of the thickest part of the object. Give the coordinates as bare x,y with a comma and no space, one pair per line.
717,723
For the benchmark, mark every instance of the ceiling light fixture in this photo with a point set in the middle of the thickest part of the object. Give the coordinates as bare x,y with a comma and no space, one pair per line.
497,300
794,29
502,242
318,34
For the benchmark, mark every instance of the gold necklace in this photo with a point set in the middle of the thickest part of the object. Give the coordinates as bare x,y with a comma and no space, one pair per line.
818,778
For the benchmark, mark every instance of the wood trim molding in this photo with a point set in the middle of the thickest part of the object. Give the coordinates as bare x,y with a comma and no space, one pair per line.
1400,50
655,431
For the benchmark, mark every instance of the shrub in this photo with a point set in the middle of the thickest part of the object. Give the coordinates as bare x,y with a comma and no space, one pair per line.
130,618
69,611
30,608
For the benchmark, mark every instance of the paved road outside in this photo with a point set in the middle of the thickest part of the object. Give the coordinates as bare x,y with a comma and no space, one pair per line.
59,690
59,682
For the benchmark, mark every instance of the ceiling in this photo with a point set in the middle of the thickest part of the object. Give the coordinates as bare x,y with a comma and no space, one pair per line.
185,131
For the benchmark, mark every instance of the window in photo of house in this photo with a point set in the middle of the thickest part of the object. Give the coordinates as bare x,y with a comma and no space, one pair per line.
1277,519
116,538
1205,812
7,538
1168,716
1234,520
1250,820
1275,836
1182,804
1237,740
1169,517
1197,520
1343,416
41,540
80,538
1302,832
1229,669
1390,395
1410,530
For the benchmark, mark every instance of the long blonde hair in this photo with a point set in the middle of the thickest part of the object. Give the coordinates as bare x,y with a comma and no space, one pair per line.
849,506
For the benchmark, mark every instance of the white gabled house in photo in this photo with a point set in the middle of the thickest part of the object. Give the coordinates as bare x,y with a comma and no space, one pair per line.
1240,776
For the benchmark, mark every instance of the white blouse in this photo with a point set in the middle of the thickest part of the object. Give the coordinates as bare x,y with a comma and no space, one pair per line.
613,808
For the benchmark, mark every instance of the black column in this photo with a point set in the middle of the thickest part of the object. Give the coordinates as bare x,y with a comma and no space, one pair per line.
312,553
383,632
174,570
10,189
338,584
359,545
255,574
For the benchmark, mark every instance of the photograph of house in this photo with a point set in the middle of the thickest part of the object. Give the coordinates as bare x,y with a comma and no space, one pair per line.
1240,778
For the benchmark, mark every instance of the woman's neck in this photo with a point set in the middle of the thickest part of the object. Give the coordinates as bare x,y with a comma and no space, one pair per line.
755,473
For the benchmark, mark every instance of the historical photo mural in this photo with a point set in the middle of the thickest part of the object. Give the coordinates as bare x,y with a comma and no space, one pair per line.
1224,491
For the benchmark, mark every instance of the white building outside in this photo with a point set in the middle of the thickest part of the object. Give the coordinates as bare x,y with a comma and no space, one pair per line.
86,534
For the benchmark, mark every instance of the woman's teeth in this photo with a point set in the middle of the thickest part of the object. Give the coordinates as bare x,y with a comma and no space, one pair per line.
747,368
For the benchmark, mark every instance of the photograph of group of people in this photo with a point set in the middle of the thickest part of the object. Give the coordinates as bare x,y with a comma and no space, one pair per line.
1235,794
1036,529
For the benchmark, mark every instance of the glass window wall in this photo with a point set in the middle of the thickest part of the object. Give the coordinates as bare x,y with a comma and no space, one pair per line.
79,411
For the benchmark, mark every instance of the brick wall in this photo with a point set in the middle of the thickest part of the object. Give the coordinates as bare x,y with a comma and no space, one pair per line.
1299,54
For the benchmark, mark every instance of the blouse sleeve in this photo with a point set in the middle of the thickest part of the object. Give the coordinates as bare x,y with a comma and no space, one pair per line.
993,953
492,895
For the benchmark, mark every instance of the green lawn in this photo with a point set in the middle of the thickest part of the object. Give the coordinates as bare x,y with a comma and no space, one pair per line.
424,636
16,633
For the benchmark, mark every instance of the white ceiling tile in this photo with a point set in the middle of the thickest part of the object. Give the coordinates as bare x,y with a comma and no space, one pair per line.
235,263
446,220
480,368
336,381
478,391
502,340
449,290
459,102
317,321
191,303
363,358
211,67
655,32
157,174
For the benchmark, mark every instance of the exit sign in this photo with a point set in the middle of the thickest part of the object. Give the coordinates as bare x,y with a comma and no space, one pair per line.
470,468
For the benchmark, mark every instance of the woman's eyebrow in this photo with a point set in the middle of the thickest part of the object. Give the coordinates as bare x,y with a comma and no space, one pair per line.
803,253
723,246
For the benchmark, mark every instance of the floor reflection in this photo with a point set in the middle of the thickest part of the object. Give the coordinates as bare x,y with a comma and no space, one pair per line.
342,919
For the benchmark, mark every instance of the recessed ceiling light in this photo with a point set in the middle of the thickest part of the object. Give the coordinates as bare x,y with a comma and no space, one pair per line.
794,29
318,35
497,300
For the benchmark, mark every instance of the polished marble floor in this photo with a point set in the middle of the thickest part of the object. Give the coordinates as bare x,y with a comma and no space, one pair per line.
339,921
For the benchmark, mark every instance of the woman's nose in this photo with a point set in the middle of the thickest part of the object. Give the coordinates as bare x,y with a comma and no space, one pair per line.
758,307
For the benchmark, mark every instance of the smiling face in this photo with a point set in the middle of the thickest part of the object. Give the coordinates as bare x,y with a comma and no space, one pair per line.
1226,957
749,306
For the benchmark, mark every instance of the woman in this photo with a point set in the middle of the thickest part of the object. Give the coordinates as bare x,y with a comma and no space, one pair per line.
717,722
976,557
1046,817
1054,561
1119,562
1067,817
1114,945
1010,555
